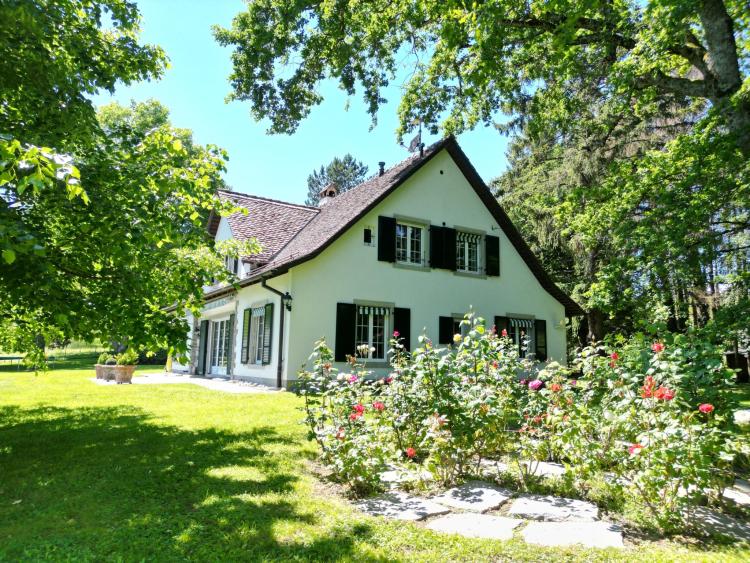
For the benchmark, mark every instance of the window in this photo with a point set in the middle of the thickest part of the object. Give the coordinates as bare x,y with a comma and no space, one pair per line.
371,331
257,335
468,252
219,346
521,332
409,244
257,331
232,264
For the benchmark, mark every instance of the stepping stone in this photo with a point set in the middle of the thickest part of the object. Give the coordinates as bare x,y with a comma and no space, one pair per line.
476,526
493,467
395,477
742,485
738,496
588,534
401,506
475,496
544,468
555,509
742,417
711,522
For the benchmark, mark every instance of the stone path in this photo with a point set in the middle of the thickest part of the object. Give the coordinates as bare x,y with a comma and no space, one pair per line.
215,384
553,509
476,526
709,521
590,534
543,520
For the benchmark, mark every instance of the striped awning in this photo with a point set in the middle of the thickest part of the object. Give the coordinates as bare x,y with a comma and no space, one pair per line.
470,237
523,323
259,311
367,309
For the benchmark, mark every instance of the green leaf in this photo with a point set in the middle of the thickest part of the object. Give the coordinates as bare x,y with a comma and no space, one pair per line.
9,256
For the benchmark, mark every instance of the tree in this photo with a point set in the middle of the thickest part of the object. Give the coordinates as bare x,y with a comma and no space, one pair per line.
469,60
345,173
100,215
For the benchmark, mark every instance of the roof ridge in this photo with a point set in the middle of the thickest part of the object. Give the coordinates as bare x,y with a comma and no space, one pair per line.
271,200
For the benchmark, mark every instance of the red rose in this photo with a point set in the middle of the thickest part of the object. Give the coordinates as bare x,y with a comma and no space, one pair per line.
664,394
657,347
359,407
495,364
615,356
378,406
647,391
388,379
635,449
555,387
410,452
706,408
504,333
355,415
396,334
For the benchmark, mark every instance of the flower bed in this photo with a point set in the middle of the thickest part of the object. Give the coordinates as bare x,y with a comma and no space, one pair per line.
650,419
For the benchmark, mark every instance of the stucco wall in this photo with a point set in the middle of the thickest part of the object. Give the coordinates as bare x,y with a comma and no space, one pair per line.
349,270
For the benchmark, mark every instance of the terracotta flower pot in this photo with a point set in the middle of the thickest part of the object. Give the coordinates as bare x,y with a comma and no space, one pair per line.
105,372
124,374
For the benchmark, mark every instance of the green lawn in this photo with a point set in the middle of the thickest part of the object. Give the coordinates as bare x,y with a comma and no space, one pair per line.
177,472
743,394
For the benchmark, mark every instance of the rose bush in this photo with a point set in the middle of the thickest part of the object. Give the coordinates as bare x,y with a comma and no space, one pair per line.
650,416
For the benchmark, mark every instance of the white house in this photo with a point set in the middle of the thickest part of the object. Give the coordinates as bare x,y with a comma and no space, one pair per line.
411,249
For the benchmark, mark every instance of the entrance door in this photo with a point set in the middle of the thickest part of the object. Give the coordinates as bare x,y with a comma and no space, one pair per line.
219,342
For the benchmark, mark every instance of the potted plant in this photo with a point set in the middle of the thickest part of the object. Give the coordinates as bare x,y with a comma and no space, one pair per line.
104,366
125,367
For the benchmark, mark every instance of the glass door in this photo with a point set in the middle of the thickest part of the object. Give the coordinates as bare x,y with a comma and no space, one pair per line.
219,341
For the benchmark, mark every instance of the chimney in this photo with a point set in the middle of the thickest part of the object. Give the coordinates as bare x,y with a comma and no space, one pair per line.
327,194
381,164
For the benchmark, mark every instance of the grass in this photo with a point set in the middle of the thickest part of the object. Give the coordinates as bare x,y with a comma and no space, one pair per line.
178,472
742,392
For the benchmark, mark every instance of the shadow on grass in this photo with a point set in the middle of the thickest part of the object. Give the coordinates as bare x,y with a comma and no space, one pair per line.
102,483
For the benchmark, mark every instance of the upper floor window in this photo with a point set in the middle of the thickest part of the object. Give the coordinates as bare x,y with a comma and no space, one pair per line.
468,255
409,243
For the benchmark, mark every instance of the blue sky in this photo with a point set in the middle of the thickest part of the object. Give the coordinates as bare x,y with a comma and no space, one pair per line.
277,166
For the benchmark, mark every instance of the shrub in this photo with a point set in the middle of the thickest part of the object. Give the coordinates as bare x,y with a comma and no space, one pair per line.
649,420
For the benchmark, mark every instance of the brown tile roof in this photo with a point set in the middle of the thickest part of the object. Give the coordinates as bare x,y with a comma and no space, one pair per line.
273,223
324,225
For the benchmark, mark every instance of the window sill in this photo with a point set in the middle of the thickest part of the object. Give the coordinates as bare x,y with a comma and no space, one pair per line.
254,366
466,274
407,266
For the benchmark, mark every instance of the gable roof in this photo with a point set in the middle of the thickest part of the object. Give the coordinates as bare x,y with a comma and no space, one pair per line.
325,225
272,222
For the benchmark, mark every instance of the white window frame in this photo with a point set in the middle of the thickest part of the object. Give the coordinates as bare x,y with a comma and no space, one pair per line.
219,340
464,243
257,332
410,229
529,332
372,311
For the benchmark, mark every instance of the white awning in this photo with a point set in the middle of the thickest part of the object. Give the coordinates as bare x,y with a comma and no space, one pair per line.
523,323
367,309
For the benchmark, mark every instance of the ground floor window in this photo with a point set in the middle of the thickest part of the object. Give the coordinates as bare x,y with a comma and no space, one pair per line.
371,332
219,346
257,332
521,332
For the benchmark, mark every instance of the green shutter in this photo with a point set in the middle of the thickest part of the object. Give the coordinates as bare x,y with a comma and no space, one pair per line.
540,348
492,255
200,369
245,335
346,314
268,334
230,345
387,239
402,323
445,330
436,246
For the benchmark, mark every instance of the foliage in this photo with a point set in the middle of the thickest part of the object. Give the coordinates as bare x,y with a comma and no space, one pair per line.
92,207
127,358
205,476
470,60
654,419
345,172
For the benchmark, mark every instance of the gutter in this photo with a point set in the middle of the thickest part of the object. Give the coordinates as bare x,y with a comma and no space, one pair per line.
283,297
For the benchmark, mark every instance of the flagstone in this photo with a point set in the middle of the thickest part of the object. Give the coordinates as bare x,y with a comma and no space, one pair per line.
738,496
588,534
537,507
475,496
476,525
711,522
401,506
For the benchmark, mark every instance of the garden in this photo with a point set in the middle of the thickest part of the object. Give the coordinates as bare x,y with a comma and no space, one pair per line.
641,429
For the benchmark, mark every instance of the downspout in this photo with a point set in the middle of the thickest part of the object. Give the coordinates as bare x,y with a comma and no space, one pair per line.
282,298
